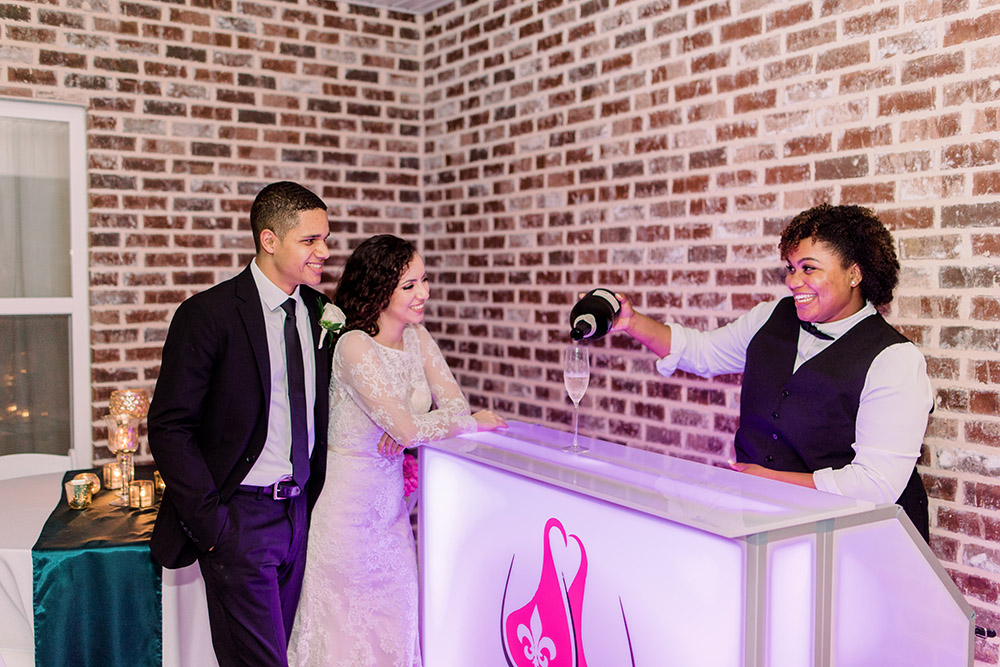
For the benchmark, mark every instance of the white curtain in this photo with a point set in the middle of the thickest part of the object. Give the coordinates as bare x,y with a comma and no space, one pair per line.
34,208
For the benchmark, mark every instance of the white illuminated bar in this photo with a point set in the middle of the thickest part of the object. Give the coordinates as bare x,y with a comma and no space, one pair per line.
530,555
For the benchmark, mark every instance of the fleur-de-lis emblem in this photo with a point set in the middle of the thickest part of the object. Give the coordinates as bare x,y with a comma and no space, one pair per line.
537,643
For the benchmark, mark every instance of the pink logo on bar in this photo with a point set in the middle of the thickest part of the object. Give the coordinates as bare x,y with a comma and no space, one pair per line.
547,631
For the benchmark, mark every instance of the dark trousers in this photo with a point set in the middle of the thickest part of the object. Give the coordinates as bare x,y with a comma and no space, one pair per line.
253,578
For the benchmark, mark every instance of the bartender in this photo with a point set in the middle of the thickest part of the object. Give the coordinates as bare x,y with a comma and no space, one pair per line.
833,397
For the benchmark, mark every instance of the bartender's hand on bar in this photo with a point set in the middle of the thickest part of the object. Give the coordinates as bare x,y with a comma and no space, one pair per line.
798,478
487,420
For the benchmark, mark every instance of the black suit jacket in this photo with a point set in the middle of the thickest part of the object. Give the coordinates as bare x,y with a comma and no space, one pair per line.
208,416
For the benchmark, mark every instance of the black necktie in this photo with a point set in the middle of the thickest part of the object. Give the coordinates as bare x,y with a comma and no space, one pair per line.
296,397
811,328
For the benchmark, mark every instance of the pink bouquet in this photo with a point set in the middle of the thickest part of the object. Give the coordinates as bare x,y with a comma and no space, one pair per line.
409,474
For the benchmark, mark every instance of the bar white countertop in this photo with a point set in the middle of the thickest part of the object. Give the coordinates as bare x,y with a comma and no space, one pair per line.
718,500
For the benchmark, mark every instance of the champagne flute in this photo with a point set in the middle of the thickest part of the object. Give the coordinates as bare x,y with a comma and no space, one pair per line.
576,376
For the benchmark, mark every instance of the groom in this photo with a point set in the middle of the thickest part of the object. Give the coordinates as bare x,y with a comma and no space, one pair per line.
237,427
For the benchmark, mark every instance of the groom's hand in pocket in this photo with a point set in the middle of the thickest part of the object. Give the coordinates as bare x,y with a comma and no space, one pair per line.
389,447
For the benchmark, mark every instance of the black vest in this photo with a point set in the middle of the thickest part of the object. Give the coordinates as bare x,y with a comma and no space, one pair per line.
805,421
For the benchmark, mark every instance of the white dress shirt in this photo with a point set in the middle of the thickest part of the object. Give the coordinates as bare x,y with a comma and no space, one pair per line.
894,405
275,461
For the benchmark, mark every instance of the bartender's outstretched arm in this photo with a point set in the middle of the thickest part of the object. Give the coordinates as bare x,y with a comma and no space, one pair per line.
654,335
800,478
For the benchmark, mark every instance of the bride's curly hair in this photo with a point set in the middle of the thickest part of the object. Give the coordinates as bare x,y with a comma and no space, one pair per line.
370,276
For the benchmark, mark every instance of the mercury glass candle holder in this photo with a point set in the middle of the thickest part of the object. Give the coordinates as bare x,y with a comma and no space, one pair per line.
78,493
134,402
94,480
123,440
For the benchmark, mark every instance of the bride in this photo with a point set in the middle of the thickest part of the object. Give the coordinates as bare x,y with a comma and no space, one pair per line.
359,594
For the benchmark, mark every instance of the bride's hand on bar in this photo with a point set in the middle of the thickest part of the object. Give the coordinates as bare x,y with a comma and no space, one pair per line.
487,420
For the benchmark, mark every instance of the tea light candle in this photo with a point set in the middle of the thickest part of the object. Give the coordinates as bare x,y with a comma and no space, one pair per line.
140,494
78,493
112,476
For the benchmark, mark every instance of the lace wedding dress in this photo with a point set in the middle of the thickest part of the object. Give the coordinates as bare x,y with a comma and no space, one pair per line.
359,593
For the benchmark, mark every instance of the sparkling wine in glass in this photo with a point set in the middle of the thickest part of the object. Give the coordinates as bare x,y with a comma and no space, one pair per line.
576,376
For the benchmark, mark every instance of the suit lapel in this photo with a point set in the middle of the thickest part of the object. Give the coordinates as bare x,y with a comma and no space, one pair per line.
312,300
253,320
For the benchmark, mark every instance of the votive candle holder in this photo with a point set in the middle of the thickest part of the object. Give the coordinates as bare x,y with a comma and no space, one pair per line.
112,473
78,493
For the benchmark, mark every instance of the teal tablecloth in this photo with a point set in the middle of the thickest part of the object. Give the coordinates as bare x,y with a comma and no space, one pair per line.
97,590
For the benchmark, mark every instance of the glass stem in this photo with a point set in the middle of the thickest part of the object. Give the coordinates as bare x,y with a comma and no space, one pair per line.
576,423
125,463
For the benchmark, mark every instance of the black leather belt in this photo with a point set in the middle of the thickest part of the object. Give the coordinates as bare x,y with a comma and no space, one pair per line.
283,489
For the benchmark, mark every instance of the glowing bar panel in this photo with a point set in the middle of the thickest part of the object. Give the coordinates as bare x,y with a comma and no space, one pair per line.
642,595
533,556
791,602
884,611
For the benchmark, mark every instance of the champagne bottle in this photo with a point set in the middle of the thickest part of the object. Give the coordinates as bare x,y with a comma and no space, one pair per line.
594,314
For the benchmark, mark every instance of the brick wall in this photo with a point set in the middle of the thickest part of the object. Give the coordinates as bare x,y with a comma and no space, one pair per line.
192,107
540,148
659,148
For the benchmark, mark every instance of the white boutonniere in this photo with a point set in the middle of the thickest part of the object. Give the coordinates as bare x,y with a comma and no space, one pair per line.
331,321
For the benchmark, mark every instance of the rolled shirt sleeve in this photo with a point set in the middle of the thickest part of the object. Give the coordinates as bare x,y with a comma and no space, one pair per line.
892,416
710,353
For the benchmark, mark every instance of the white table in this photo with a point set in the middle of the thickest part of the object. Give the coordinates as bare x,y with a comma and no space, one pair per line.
25,504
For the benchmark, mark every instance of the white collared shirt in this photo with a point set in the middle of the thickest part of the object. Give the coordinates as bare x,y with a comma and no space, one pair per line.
275,461
894,405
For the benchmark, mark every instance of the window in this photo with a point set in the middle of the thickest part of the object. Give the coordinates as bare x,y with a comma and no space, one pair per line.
44,317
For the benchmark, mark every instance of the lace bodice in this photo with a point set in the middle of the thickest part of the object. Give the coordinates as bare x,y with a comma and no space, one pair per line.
375,388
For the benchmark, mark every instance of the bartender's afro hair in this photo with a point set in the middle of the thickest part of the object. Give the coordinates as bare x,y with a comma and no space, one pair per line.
858,237
370,276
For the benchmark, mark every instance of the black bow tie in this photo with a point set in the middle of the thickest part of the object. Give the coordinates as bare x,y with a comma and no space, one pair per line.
811,328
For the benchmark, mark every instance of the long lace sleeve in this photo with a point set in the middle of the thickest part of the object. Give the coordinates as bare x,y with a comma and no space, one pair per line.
447,394
384,398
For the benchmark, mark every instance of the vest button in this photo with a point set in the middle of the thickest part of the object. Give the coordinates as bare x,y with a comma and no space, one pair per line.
768,458
774,436
774,415
784,392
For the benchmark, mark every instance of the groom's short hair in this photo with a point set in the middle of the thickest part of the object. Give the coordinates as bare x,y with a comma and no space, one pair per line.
276,207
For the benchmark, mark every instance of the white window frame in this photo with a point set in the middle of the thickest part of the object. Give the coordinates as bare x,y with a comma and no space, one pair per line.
76,306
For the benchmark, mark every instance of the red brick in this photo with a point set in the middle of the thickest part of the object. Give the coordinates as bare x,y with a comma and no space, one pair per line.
899,103
765,99
967,30
812,37
868,79
874,22
789,17
842,57
932,67
839,168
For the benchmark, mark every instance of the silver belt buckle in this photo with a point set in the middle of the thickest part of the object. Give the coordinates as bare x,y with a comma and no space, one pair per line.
285,492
